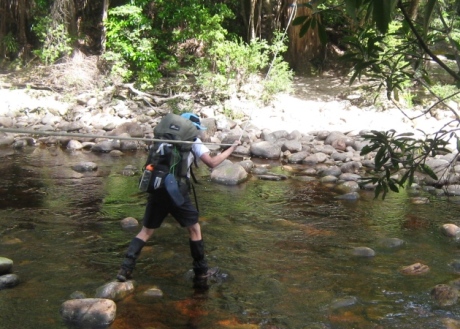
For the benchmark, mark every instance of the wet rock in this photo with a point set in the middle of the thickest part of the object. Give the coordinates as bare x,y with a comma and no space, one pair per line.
230,174
350,177
391,243
444,295
74,145
455,264
77,295
415,269
272,177
450,230
363,252
348,187
89,312
129,170
115,290
343,302
85,166
351,167
247,165
6,265
419,200
129,222
348,196
328,179
8,281
153,292
331,171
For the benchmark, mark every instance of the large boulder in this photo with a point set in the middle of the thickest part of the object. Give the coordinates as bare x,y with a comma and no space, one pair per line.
229,174
265,150
89,312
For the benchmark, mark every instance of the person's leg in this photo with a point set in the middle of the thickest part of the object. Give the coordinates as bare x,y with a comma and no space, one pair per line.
133,252
200,265
155,212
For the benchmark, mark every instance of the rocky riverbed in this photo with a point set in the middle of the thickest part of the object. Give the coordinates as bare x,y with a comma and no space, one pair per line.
316,131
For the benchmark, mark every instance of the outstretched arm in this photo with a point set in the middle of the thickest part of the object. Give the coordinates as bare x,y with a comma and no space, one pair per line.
214,161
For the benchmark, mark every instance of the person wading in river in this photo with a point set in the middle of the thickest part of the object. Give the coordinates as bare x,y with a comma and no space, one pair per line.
160,204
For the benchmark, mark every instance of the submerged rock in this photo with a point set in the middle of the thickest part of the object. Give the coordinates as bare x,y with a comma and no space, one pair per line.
8,281
89,312
450,230
115,290
363,252
444,295
415,269
6,265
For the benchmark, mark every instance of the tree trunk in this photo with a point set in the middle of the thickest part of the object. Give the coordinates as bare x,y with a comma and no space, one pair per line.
301,51
105,10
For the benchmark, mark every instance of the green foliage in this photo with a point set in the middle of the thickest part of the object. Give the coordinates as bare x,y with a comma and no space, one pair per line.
401,152
232,64
55,39
384,59
130,46
9,43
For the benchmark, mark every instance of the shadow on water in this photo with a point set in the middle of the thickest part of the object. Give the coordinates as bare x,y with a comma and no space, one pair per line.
285,246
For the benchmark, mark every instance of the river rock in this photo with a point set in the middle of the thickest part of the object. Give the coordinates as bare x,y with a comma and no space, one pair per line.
363,252
247,165
74,145
89,312
266,150
297,157
348,196
129,222
328,179
8,281
330,171
85,166
450,230
6,265
415,269
391,243
229,174
153,292
115,290
348,186
444,295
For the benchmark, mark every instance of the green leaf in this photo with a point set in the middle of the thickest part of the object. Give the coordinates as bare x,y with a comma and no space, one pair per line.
299,20
304,29
429,8
427,170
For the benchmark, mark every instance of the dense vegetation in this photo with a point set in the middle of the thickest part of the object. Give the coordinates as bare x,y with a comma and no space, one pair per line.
226,44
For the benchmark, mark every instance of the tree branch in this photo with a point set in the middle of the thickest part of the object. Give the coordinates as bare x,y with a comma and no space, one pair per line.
423,44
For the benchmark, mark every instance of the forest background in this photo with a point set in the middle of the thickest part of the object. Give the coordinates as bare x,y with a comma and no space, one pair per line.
214,49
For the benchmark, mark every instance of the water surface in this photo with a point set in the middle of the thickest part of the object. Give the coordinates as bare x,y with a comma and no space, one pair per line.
285,247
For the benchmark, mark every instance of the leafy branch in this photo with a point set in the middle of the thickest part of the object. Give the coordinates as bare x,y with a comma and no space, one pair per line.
396,153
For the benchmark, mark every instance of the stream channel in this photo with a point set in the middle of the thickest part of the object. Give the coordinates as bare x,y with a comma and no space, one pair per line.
285,248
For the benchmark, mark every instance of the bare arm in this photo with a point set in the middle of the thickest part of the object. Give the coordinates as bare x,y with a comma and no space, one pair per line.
214,161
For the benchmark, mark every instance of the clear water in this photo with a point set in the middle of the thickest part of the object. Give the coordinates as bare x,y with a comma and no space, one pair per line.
285,245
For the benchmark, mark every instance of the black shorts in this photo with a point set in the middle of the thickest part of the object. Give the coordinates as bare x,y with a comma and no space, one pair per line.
159,205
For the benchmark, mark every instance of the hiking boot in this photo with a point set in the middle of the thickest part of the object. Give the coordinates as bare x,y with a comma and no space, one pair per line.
124,274
209,273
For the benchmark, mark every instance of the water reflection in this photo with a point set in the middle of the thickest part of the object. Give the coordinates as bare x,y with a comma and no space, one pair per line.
286,247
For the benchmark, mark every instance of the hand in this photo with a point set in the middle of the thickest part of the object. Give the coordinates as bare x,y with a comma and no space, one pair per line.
236,143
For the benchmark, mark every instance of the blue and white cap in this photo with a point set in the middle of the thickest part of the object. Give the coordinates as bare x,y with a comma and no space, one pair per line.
195,119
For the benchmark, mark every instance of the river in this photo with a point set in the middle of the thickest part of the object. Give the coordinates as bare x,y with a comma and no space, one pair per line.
285,248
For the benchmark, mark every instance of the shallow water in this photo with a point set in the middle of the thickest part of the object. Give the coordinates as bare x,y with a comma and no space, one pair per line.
285,247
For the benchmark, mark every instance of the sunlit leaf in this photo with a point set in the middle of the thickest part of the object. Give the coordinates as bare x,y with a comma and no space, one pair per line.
427,170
